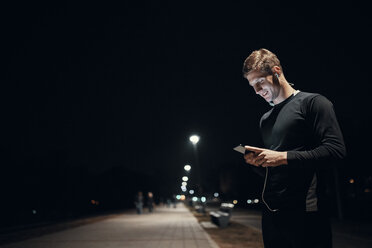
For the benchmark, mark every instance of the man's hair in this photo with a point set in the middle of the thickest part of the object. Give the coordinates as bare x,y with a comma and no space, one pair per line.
260,60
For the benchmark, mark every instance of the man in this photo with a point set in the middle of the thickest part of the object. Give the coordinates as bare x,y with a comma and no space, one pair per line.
150,201
138,202
302,138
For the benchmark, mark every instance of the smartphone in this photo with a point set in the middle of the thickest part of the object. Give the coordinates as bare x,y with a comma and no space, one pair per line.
241,149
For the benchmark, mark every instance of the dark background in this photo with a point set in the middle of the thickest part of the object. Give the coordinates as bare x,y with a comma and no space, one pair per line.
99,101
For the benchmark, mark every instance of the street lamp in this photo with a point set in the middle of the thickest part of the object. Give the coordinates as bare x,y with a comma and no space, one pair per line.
187,168
194,139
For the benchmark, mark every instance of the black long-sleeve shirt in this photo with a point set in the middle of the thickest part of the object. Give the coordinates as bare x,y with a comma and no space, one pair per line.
304,125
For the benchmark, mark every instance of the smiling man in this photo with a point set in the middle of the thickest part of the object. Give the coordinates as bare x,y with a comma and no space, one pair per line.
302,139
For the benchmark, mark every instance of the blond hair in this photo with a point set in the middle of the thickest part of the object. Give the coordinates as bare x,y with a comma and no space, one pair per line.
260,60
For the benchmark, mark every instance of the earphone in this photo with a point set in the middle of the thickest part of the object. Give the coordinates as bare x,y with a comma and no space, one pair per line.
277,76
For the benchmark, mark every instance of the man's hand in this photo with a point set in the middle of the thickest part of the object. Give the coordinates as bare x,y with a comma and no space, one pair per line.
265,157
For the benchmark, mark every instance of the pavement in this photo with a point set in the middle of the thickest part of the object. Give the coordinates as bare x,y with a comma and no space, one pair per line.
165,227
173,228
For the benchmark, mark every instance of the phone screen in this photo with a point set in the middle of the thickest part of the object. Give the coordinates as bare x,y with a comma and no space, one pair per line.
241,149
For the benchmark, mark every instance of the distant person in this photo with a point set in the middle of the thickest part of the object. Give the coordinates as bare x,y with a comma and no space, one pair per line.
302,138
139,202
150,201
174,201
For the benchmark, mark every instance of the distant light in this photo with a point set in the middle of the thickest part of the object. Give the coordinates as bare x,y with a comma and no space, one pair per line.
185,178
249,201
216,194
351,180
227,205
33,211
183,197
367,190
184,184
183,188
195,199
187,167
93,202
235,201
256,201
178,197
194,139
203,199
191,192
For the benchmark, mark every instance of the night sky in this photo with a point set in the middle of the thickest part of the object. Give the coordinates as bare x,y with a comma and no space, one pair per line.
98,97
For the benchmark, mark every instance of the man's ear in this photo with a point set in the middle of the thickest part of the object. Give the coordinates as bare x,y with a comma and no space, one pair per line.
276,70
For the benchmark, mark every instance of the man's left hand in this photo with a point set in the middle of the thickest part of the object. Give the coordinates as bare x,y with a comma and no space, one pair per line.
270,158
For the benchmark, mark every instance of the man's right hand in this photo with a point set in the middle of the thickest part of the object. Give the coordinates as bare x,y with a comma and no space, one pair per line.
254,158
264,157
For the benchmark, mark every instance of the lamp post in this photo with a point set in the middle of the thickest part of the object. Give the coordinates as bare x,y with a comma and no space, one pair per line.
194,139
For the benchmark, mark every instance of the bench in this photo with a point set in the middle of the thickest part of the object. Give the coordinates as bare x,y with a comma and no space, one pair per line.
222,217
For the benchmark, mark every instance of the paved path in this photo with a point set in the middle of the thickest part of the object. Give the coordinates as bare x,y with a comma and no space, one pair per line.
165,227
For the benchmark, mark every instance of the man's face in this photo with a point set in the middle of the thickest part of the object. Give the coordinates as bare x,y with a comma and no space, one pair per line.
263,85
